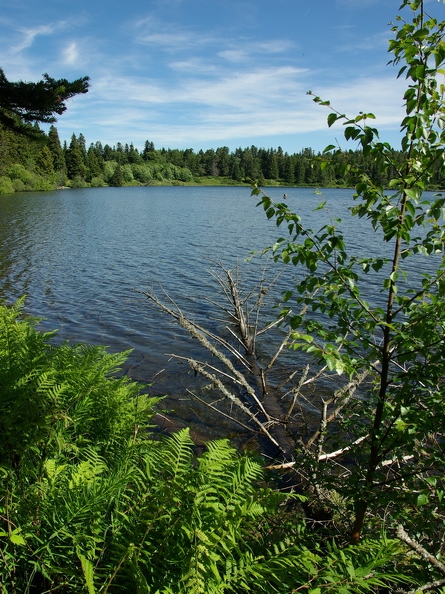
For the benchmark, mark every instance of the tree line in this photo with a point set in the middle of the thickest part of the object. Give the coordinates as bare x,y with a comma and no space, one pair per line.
39,161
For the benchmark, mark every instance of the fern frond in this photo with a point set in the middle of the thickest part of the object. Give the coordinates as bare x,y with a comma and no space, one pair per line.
175,456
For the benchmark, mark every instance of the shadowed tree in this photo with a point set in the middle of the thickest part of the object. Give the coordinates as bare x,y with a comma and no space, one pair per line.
74,160
23,103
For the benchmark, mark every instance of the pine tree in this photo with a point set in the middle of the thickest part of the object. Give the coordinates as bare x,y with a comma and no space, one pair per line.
95,162
148,151
272,166
57,155
22,103
45,162
117,179
74,160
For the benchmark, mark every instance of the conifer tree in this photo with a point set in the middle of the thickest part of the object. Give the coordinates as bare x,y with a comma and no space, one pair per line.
22,103
56,151
117,179
45,162
74,160
95,162
148,151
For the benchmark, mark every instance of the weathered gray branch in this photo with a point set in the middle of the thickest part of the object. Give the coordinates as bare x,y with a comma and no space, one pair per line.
419,549
238,365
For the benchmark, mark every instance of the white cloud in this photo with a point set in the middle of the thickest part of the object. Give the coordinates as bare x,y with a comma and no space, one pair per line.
234,55
198,112
364,43
240,50
128,91
242,90
71,53
351,4
194,66
29,34
165,36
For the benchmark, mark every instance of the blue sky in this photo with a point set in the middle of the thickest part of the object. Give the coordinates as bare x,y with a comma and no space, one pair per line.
207,73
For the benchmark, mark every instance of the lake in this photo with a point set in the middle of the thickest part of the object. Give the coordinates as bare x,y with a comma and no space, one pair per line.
81,255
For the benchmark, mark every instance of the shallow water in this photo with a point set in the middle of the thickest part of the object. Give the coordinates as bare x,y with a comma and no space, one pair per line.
82,255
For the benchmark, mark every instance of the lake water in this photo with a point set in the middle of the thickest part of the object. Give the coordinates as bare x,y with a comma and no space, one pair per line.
80,254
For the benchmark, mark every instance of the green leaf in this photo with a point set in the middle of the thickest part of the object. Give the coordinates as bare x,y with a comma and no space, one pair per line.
332,118
87,568
422,499
300,336
17,538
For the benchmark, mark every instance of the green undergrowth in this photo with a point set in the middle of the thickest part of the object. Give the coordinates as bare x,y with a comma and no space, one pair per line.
92,501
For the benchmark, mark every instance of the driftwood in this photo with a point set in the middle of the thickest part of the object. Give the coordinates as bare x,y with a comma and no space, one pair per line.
242,379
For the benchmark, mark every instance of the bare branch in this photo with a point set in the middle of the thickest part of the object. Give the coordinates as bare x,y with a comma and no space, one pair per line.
418,548
252,416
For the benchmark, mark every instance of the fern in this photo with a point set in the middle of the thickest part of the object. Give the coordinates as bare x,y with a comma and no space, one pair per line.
91,501
88,571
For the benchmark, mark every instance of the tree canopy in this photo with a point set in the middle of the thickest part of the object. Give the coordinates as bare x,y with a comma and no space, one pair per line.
22,103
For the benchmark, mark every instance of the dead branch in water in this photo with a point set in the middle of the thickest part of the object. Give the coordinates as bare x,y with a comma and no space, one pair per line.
241,368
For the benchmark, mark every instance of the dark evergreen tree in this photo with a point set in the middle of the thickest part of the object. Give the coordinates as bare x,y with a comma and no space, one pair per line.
27,102
95,163
272,166
133,155
210,165
288,170
108,153
148,151
44,163
117,179
83,146
75,164
223,161
280,161
250,164
236,173
121,155
57,155
191,161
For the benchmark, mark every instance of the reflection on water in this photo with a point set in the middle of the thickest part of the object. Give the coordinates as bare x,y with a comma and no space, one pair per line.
80,254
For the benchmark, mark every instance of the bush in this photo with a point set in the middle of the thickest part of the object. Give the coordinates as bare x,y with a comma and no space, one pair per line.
142,173
97,182
23,179
6,185
43,184
77,182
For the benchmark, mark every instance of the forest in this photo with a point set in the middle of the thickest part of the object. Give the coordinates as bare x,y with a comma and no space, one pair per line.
41,162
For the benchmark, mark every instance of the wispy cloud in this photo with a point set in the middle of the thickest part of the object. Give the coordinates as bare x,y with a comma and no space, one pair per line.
181,77
194,65
71,53
29,34
360,42
263,103
242,50
81,53
165,36
356,4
